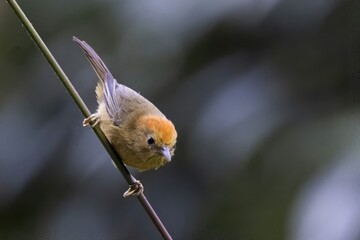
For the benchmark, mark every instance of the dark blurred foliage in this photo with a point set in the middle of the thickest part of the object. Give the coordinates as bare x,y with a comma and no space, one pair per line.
265,96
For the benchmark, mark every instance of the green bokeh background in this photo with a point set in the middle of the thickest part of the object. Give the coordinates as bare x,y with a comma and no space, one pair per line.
265,96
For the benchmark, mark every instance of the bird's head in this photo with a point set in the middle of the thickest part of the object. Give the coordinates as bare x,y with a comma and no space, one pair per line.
159,136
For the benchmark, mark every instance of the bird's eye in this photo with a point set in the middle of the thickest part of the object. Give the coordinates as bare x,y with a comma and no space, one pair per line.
151,140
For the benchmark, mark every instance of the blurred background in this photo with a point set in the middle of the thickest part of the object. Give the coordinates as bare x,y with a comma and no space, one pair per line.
265,96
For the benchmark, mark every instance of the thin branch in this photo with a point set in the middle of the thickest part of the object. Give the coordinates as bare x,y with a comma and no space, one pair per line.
80,103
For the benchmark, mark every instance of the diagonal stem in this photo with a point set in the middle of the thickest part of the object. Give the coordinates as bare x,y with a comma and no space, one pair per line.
81,105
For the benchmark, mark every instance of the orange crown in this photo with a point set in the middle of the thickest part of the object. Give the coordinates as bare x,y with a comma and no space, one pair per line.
162,127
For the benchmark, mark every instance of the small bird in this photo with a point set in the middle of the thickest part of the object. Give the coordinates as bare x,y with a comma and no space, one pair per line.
140,133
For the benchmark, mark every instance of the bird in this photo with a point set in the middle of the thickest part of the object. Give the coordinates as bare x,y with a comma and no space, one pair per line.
139,132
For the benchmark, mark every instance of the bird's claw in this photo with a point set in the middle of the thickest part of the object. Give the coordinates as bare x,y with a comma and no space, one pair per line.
135,189
93,120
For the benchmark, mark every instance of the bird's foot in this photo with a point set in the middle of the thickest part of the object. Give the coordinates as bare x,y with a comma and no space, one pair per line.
134,189
93,120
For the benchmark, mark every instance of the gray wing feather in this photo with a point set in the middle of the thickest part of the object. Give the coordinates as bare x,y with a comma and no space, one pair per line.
110,95
119,100
113,96
122,101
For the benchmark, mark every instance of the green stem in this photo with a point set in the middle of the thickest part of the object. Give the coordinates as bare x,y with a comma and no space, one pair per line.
80,103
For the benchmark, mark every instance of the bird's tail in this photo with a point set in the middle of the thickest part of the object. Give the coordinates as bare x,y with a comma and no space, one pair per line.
94,59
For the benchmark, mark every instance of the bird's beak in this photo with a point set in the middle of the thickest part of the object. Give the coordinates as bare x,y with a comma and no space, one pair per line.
166,152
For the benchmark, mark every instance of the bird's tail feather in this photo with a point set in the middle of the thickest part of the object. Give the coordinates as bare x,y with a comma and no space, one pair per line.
94,59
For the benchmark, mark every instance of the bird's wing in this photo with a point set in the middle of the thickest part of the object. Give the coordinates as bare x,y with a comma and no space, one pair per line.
113,96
